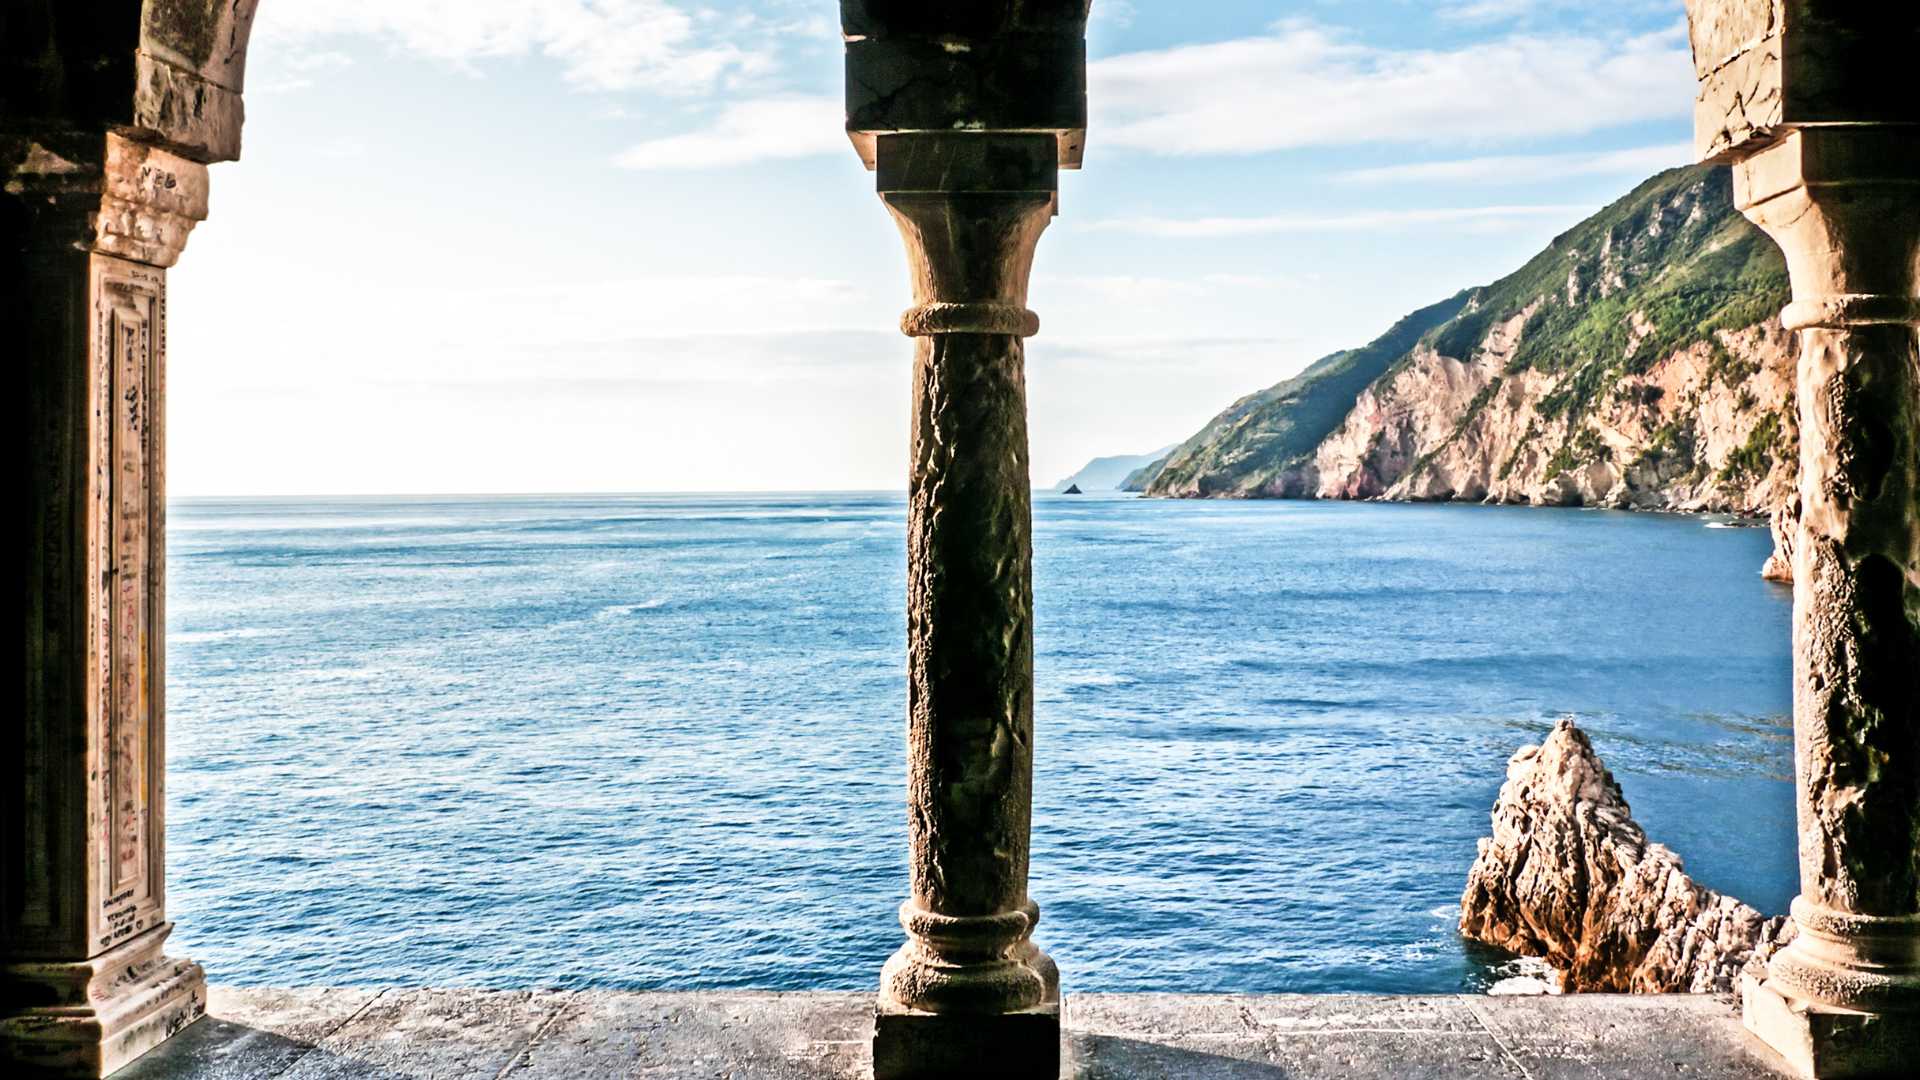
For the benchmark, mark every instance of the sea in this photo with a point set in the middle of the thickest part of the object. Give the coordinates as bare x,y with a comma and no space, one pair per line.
657,741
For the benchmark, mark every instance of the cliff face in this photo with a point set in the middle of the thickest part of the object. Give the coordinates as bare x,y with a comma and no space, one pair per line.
1255,445
1637,362
1683,435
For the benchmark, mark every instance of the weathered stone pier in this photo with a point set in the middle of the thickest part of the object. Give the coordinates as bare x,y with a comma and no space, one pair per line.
966,113
109,116
110,113
1810,103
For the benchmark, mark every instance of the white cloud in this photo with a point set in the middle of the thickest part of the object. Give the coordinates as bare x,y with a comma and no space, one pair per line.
1148,291
1300,85
1117,13
304,64
1262,281
602,44
1133,290
1487,10
1470,217
1528,168
1307,85
577,329
755,130
663,305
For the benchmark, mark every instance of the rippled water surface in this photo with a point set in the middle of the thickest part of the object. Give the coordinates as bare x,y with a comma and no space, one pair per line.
656,741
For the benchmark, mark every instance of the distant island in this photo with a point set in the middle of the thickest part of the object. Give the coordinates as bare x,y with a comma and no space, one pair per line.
1637,363
1111,473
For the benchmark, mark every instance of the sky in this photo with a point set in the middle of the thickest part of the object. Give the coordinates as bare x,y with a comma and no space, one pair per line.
481,246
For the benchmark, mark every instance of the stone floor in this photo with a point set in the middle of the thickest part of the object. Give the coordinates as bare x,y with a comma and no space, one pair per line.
436,1034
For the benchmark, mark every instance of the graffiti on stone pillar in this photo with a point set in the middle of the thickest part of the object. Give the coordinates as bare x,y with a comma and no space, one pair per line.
127,300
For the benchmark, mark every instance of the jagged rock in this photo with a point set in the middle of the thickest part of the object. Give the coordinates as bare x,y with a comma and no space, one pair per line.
1568,876
1783,521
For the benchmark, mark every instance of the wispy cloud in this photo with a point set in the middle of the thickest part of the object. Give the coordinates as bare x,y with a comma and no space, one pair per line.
1491,11
1301,85
303,68
654,45
1486,10
1469,217
1183,354
1304,84
576,328
1118,13
755,130
1527,168
1148,290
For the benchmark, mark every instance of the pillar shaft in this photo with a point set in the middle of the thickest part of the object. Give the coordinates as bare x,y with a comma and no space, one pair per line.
971,209
89,228
1843,203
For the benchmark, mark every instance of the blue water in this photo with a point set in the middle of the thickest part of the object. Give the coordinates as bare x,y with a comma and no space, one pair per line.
657,741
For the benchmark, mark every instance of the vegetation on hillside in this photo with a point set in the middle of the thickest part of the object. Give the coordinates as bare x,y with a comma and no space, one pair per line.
1267,431
1663,268
1629,286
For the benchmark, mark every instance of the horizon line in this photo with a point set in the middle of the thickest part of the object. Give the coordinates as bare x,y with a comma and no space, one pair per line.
201,496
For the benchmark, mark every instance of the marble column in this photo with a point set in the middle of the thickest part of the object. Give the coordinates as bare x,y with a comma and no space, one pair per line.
90,224
969,994
1843,202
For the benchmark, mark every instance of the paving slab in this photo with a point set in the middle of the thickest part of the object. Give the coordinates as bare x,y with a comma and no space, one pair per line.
1296,1036
788,1036
430,1035
251,1033
1675,1035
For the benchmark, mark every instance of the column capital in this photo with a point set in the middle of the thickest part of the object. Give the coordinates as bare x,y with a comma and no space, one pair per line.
106,194
971,208
1834,165
1843,203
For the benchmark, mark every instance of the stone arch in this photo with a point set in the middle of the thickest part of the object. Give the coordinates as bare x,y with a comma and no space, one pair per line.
164,72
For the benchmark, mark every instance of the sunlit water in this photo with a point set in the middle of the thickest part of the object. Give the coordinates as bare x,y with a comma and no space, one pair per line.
657,741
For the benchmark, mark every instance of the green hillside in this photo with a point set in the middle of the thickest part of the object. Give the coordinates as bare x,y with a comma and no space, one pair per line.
1663,268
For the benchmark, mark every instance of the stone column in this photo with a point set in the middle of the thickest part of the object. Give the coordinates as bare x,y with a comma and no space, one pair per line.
1811,103
967,112
110,112
1843,202
91,224
969,994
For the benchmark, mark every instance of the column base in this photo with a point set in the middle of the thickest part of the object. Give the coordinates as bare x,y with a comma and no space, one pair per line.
913,1045
90,1017
1823,1042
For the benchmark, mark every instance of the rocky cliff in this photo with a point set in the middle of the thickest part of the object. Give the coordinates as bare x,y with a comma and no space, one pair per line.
1567,875
1637,362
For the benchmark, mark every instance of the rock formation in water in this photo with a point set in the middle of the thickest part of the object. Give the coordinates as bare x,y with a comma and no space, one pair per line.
1638,362
1568,876
1783,521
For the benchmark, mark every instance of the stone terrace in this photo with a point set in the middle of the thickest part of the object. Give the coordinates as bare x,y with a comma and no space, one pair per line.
258,1034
